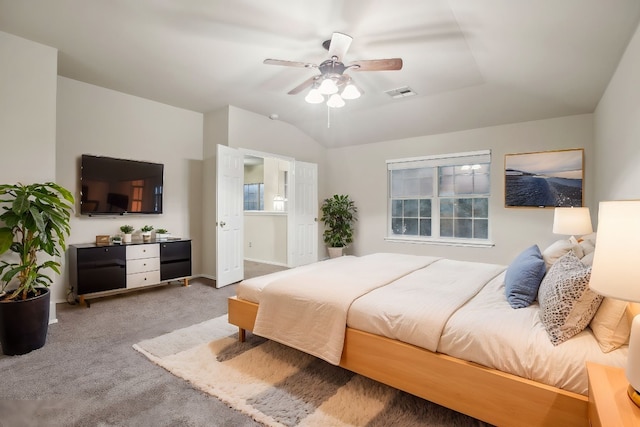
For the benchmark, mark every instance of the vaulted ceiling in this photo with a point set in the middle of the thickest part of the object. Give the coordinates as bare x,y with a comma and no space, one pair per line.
470,63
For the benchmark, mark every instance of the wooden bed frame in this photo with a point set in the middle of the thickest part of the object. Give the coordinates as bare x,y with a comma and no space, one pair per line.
487,394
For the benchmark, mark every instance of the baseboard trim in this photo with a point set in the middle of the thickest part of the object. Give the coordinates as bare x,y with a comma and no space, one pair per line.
279,264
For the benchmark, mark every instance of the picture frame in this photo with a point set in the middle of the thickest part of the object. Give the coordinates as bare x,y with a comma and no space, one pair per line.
544,179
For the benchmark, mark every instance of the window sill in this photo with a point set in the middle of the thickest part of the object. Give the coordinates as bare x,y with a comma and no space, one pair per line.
442,242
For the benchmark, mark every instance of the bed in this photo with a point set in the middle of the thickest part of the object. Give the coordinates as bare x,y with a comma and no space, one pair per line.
437,328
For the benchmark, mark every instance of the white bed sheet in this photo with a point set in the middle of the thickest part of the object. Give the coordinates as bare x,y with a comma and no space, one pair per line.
488,331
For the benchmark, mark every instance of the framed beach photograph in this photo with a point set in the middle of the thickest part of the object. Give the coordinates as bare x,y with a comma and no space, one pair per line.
545,179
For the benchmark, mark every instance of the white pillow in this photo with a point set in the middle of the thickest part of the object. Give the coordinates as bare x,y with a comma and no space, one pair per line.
610,324
587,246
588,259
558,249
567,304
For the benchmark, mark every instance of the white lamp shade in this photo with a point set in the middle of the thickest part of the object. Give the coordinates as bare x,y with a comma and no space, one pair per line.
328,87
572,221
350,91
314,97
615,272
335,101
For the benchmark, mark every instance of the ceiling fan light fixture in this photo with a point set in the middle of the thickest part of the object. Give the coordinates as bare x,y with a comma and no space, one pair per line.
350,92
314,97
328,87
335,101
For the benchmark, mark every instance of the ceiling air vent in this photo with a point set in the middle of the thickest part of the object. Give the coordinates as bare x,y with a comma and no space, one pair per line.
401,92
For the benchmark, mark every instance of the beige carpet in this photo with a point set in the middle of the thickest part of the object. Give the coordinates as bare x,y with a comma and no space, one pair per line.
280,386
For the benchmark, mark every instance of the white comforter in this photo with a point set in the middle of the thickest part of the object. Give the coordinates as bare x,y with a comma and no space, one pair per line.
307,310
415,308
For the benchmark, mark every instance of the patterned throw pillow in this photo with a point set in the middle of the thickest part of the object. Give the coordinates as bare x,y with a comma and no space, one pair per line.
567,304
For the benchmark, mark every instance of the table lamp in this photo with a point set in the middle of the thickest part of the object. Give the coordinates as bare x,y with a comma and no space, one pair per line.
572,221
615,272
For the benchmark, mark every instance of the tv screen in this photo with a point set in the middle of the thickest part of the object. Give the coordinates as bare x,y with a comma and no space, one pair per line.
110,186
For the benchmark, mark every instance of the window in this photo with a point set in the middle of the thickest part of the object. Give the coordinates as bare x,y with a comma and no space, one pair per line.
254,197
440,198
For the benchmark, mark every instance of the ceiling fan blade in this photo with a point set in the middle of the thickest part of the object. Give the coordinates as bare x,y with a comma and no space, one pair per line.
339,45
289,63
302,86
376,64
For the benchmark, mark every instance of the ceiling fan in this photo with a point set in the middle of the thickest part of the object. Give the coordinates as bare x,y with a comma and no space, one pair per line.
332,81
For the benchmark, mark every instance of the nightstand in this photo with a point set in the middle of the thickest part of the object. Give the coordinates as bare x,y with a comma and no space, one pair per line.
609,404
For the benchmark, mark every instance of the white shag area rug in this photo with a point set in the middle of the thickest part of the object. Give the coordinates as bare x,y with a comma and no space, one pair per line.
279,386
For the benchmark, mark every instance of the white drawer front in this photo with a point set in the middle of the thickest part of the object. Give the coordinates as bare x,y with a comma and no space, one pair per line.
142,265
137,280
151,250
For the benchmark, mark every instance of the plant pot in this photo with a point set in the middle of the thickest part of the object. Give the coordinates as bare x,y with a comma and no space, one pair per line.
146,237
24,324
126,238
335,252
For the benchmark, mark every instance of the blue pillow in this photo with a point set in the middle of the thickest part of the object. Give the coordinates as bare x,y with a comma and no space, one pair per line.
523,277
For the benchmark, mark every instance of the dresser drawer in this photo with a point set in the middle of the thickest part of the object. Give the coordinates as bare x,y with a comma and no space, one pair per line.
142,265
151,250
146,278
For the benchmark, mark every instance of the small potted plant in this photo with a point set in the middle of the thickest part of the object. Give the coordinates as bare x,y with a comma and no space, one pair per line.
35,220
146,233
162,234
126,231
338,215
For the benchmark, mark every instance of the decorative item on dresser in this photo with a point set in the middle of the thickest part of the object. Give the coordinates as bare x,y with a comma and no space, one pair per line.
146,233
100,270
126,231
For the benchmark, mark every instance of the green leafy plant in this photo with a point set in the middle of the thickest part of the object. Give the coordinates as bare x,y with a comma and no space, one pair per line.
146,229
127,229
35,219
161,231
339,216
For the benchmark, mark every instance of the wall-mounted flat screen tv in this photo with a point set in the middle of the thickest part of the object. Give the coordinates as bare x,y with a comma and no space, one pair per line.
110,186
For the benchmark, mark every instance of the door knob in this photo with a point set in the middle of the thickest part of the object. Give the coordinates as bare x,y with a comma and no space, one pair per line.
222,223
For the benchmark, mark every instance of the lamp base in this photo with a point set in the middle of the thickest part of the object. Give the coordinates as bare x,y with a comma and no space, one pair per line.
633,395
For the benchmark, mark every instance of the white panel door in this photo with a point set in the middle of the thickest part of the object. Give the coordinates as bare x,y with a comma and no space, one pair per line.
304,236
229,216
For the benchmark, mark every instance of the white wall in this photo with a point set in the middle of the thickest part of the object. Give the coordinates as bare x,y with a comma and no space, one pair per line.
28,116
617,130
265,237
510,229
239,128
99,121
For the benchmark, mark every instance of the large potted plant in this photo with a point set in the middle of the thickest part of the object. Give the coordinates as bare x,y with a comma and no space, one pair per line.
34,220
339,216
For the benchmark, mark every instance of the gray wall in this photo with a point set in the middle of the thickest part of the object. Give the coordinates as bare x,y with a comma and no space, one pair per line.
510,229
617,130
